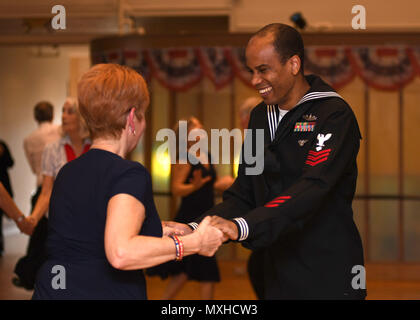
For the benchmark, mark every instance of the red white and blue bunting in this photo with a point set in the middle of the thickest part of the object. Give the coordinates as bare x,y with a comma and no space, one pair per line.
113,56
330,63
179,69
216,66
384,68
136,60
415,57
236,56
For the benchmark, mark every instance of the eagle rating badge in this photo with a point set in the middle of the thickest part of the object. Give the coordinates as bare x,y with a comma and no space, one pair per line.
309,117
321,139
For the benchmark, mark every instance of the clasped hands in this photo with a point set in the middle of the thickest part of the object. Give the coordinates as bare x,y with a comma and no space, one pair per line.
27,225
213,231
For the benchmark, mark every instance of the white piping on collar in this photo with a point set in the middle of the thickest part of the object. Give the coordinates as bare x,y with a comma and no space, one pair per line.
271,112
271,122
318,95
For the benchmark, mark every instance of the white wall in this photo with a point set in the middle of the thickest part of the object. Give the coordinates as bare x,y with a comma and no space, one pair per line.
25,80
250,15
389,16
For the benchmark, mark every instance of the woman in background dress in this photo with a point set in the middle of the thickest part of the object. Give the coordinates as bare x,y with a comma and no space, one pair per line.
195,182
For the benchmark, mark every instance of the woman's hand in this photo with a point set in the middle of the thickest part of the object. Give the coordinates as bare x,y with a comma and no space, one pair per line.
211,238
27,225
171,228
43,202
229,229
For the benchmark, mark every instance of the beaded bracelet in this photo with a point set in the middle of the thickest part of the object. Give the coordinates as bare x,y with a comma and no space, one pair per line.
179,247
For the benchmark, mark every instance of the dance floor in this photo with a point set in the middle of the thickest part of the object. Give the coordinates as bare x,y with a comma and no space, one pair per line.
234,284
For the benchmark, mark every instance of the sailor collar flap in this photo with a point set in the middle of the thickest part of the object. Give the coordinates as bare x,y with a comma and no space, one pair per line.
299,111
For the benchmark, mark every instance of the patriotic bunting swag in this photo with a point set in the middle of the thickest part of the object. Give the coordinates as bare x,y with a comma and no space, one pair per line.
384,68
179,69
176,69
216,66
136,60
415,57
332,64
236,57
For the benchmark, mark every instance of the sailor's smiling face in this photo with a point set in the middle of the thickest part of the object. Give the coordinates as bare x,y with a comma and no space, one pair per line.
272,78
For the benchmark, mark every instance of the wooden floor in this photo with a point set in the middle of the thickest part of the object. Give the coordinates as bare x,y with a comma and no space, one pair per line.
234,284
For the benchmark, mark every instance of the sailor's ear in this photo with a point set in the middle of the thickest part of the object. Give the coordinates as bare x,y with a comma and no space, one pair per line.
295,64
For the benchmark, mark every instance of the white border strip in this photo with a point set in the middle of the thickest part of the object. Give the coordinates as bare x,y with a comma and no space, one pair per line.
193,225
244,229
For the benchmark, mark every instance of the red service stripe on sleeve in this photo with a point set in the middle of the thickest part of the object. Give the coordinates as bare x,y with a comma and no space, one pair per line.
313,158
317,153
312,163
277,201
282,197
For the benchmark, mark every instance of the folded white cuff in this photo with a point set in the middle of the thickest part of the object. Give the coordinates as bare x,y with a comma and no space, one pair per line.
243,228
193,225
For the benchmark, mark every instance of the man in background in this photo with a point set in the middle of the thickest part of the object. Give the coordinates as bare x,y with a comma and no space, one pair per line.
34,145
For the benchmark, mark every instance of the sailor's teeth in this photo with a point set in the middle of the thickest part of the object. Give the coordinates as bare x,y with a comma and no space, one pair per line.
265,90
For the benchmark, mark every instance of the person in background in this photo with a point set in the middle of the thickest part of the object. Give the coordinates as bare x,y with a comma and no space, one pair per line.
103,226
6,162
74,142
35,143
195,184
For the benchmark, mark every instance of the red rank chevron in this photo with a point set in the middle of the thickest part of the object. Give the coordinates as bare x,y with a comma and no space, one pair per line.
276,201
316,157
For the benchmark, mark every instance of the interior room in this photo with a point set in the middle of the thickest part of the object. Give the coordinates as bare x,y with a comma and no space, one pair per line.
192,55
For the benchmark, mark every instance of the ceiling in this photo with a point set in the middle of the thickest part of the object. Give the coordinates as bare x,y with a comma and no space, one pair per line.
25,22
30,21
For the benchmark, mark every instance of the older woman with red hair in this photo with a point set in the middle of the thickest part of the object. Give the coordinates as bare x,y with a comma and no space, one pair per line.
103,226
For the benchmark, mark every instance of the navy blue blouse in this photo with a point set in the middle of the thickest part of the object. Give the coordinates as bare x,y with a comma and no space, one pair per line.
77,217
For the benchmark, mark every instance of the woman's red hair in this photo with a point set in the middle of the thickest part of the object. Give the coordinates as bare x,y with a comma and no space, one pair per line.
106,94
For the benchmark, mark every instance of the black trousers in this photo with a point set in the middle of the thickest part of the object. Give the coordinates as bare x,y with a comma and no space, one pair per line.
256,272
28,266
